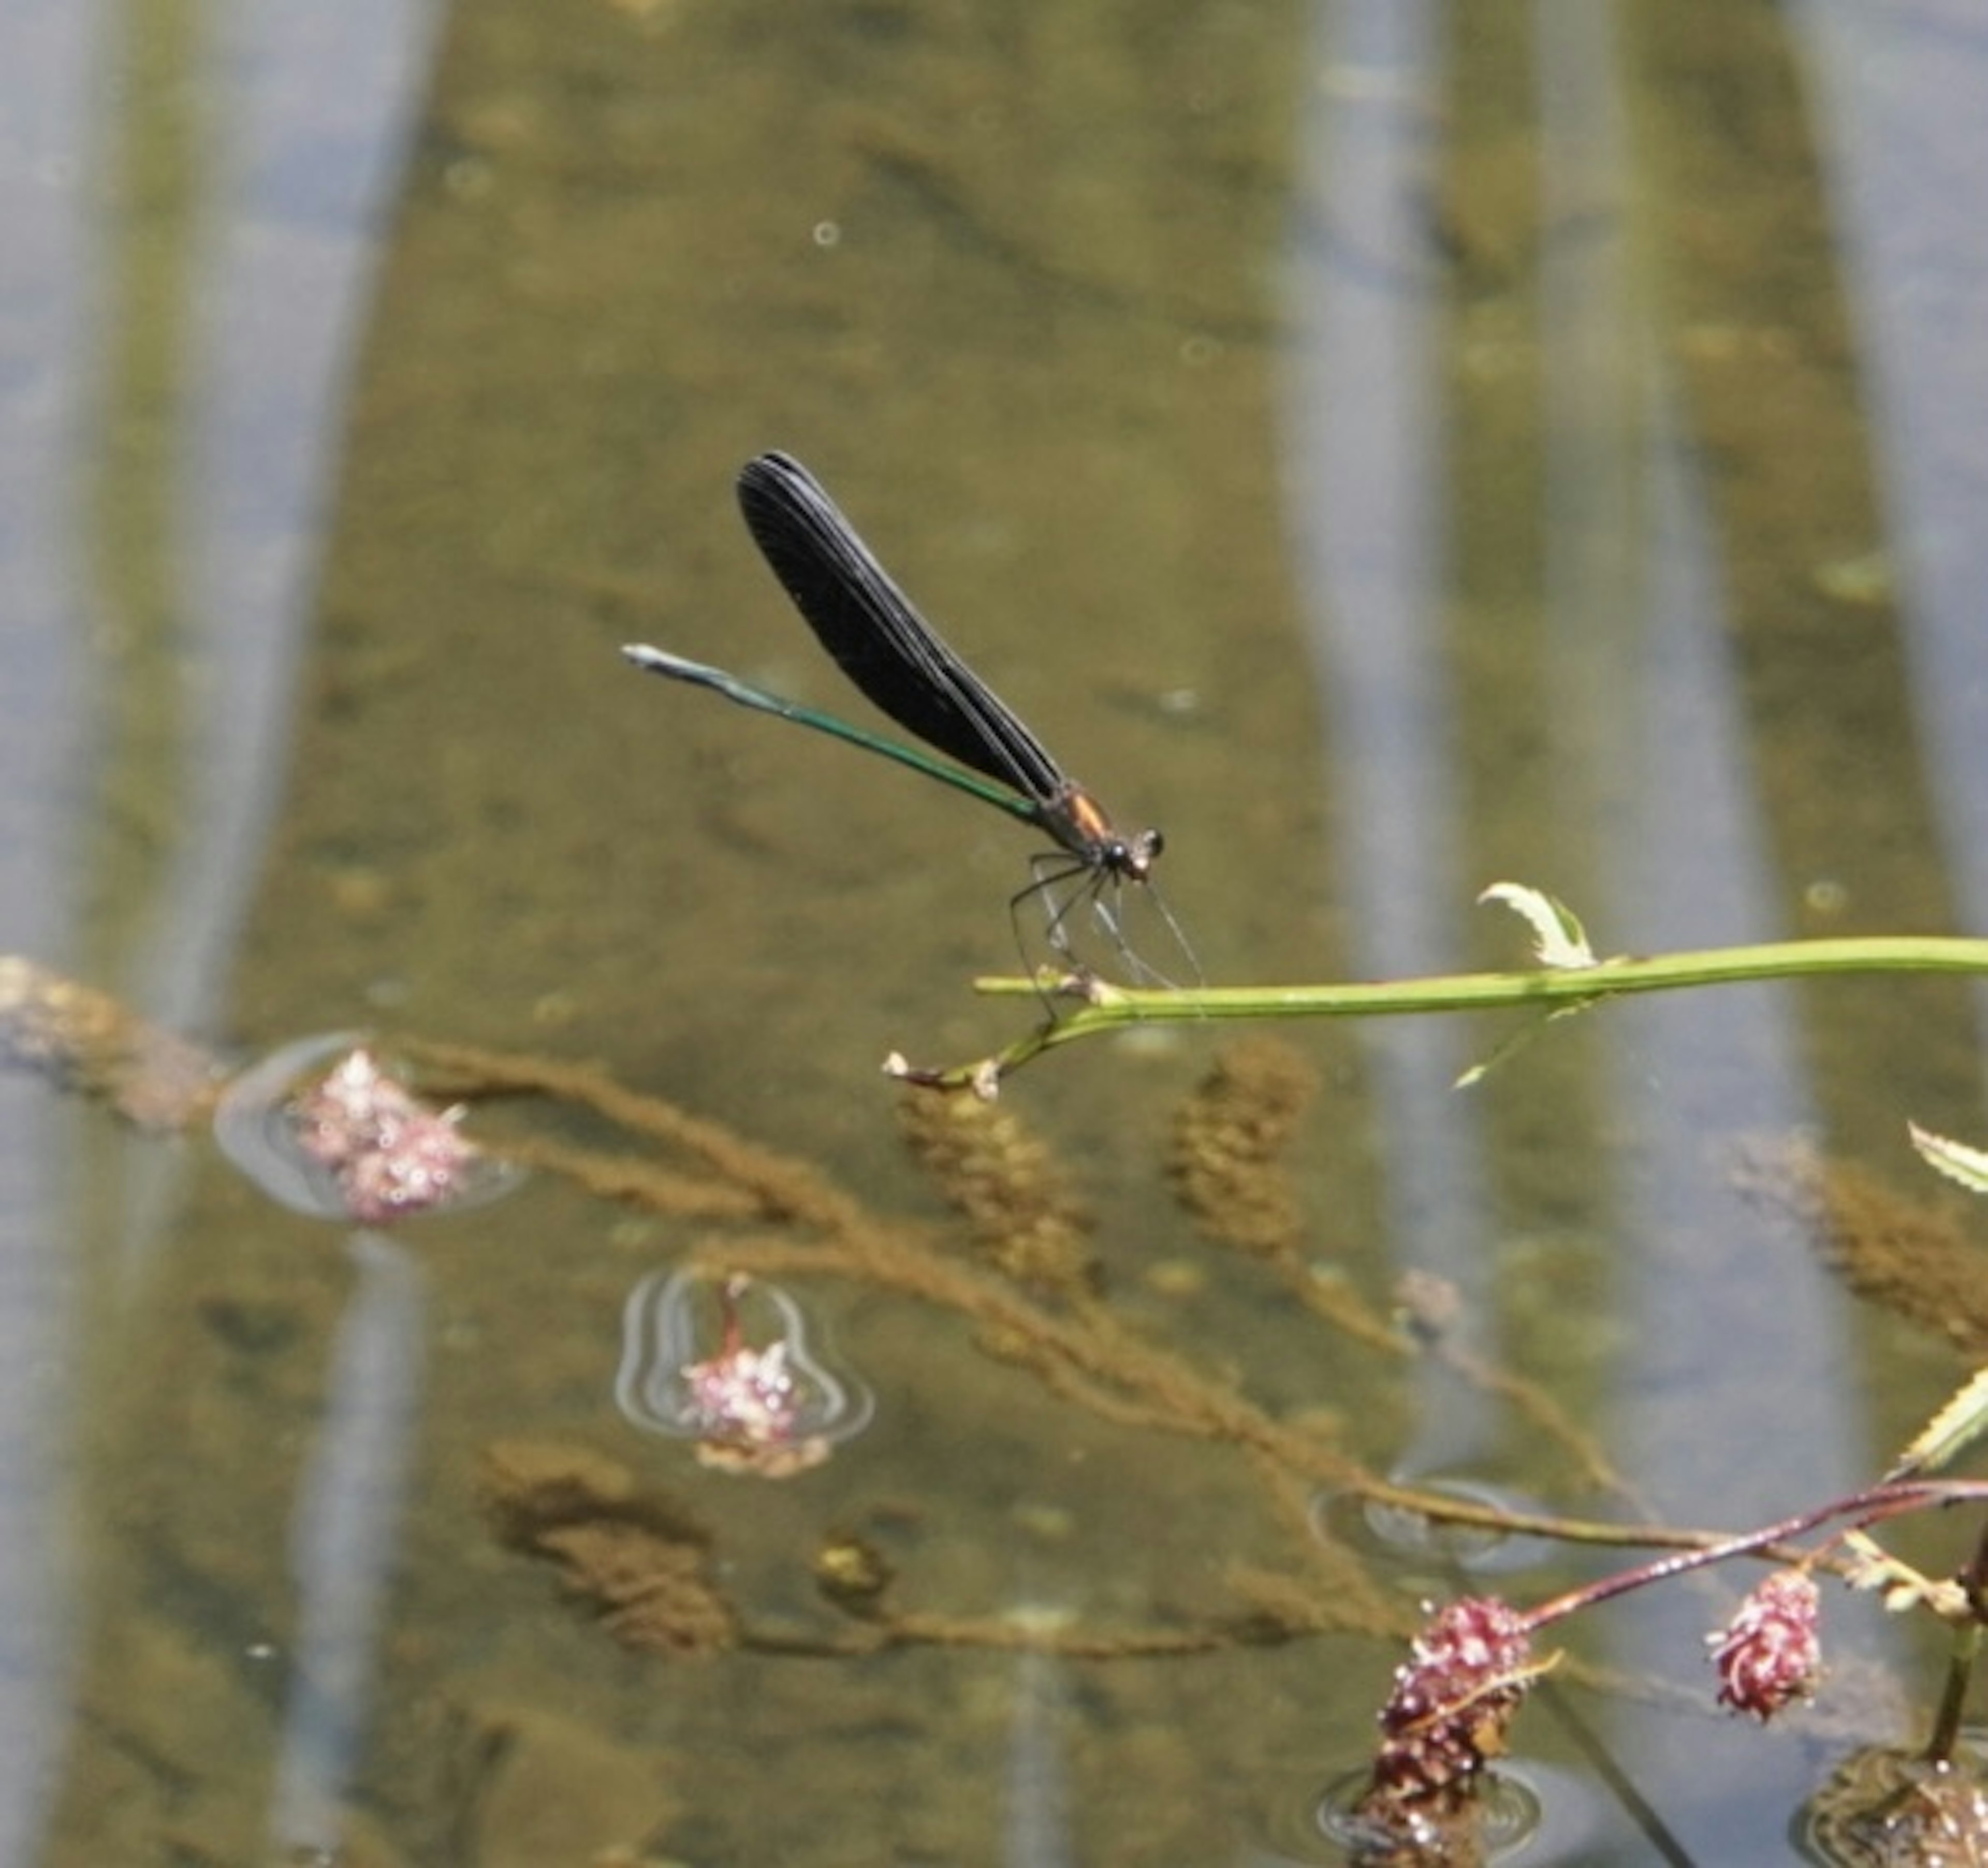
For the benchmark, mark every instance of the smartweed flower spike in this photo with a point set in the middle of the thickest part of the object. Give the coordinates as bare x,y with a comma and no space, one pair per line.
1446,1718
770,1406
352,1143
1769,1653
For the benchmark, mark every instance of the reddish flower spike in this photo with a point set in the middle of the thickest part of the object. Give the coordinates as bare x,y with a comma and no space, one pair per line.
1770,1653
1447,1716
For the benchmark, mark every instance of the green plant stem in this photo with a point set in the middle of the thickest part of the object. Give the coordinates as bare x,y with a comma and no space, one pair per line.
1966,1651
1946,1725
1111,1008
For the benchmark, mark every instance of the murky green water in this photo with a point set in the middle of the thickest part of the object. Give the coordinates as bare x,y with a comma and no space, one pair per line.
1395,449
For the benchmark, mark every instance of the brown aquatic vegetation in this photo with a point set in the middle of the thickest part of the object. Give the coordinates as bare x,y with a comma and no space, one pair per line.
1024,1217
645,1567
1912,1256
640,1560
636,1558
1226,1162
647,1570
87,1042
654,1594
1053,1328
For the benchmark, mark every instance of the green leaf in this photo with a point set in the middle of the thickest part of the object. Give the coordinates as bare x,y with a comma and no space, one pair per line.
1955,1426
1957,1162
1559,940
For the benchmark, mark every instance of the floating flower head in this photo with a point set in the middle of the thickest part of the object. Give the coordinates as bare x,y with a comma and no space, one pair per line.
352,1142
726,1362
1769,1653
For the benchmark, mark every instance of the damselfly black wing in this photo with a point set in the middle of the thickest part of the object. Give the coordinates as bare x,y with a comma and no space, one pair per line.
877,637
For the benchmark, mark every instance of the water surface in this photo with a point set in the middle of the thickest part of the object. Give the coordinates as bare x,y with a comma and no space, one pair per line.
1394,448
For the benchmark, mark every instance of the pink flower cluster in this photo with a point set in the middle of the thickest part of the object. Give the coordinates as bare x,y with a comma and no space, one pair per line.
747,1405
1446,1717
389,1154
726,1362
1769,1653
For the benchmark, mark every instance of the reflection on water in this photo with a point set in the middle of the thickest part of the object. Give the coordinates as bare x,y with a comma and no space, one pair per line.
1489,385
1900,131
1369,521
190,226
344,1541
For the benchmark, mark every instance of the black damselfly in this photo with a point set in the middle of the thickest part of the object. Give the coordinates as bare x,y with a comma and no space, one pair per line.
890,652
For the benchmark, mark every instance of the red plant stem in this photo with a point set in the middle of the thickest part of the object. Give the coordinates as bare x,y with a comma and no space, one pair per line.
1866,1507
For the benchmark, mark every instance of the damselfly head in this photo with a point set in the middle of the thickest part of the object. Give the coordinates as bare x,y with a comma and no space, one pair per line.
1134,856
